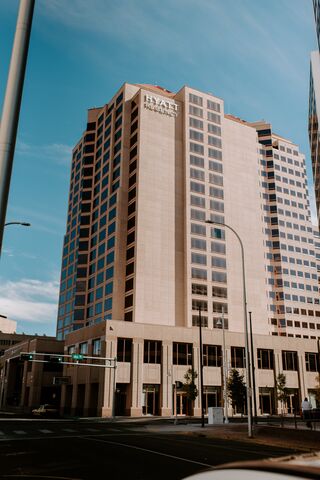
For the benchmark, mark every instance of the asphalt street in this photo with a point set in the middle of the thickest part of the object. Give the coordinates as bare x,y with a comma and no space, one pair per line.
94,450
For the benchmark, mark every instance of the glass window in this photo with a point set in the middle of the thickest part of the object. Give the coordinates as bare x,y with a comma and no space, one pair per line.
212,355
238,357
289,360
182,353
124,349
152,351
265,359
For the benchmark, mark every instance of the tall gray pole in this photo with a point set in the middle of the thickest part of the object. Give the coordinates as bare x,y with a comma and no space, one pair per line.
225,367
12,102
201,368
253,370
248,376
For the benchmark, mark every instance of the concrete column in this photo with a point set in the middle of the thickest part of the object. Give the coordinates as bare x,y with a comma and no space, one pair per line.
136,377
24,384
86,405
63,398
166,379
74,390
110,377
36,384
5,385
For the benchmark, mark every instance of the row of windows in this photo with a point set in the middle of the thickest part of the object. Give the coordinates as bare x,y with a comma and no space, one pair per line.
211,105
199,137
200,202
211,128
273,209
199,273
198,289
183,355
277,258
199,162
203,306
282,322
200,176
274,198
201,259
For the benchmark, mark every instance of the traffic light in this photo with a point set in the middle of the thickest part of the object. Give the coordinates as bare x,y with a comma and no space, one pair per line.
55,359
26,356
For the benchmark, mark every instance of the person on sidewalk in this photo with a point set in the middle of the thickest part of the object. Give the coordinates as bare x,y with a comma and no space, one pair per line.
306,408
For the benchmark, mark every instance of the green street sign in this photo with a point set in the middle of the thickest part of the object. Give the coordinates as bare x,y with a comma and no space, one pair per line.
77,356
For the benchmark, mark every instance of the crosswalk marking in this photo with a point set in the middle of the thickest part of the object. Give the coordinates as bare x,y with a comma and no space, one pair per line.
45,431
70,430
19,432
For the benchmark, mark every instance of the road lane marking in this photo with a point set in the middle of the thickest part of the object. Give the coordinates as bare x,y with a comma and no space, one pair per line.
92,429
45,431
69,430
149,451
19,432
1,433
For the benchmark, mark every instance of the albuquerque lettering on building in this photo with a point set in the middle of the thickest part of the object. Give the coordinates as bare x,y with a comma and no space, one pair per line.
160,105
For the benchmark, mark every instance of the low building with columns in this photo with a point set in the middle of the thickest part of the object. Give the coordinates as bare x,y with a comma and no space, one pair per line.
150,359
27,384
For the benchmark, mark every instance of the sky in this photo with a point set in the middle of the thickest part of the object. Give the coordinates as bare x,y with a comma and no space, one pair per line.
253,54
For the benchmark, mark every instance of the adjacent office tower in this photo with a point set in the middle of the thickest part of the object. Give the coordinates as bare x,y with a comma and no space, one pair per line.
149,169
316,8
314,109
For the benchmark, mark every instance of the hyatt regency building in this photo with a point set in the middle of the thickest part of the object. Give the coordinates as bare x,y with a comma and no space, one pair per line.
139,262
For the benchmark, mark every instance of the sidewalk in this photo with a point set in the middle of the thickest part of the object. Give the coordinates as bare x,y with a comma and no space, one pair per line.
303,440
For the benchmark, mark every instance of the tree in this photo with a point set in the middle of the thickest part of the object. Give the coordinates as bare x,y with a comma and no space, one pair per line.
236,388
282,391
189,386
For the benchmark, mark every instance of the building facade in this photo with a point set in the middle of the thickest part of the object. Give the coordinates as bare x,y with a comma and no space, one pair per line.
151,167
316,8
150,359
6,325
140,262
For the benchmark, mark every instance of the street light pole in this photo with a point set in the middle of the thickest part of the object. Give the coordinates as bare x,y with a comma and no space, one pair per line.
224,366
12,102
201,368
253,370
248,376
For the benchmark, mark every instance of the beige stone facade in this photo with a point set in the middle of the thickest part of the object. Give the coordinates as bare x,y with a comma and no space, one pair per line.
150,169
145,377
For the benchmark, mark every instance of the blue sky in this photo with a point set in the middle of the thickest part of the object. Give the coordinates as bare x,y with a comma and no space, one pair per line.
253,54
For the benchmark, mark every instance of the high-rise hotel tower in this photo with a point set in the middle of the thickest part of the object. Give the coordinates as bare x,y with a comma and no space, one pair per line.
149,169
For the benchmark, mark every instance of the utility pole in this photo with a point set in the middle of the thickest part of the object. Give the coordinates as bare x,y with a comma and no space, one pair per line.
12,102
253,370
201,369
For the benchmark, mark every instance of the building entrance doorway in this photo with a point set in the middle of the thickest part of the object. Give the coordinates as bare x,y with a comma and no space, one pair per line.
292,402
121,399
150,399
266,401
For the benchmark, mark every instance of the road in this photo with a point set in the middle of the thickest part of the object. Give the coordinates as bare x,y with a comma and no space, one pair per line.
91,450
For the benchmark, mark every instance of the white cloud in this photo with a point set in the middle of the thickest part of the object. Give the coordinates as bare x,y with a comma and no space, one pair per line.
29,300
56,152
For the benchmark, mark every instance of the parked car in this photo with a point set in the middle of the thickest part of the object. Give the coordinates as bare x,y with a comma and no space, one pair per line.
46,410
